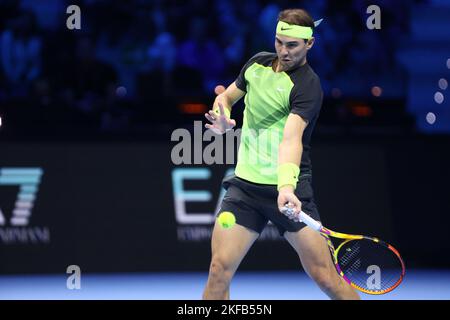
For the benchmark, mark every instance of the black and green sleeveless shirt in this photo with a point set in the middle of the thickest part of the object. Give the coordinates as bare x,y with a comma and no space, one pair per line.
270,97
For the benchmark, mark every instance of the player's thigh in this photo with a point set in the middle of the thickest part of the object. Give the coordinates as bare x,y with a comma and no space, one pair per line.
229,246
312,249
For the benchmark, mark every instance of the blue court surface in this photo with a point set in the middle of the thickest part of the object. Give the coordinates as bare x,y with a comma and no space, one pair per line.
286,285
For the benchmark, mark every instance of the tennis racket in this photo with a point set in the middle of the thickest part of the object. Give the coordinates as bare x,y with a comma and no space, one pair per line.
368,264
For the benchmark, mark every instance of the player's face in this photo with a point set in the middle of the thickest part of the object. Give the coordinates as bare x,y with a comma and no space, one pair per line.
291,51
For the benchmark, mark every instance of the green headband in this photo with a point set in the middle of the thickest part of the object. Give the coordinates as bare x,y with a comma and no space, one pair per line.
293,30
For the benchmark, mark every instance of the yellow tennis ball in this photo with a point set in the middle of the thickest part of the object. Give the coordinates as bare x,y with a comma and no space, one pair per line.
226,219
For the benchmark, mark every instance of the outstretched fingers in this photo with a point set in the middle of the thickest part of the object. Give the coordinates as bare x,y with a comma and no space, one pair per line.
209,117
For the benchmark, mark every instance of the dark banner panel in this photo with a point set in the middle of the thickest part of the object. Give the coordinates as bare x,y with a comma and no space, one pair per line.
123,207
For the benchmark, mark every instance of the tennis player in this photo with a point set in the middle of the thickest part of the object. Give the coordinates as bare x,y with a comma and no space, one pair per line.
283,98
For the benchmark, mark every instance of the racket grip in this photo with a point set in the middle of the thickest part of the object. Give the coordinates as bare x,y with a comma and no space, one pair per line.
310,222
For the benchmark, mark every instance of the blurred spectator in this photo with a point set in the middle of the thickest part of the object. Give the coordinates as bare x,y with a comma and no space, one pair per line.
267,21
133,58
88,85
202,52
20,52
8,10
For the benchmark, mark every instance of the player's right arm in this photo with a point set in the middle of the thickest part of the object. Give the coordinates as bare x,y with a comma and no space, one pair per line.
228,97
219,116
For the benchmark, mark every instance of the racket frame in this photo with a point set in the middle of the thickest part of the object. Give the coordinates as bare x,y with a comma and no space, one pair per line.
327,233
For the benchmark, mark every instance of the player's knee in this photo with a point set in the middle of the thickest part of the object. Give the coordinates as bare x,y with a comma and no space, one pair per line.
220,269
325,278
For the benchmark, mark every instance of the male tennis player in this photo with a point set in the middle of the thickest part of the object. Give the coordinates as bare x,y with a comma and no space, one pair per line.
283,97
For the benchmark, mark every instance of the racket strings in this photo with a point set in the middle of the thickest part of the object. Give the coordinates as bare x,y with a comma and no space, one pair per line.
361,276
350,254
370,265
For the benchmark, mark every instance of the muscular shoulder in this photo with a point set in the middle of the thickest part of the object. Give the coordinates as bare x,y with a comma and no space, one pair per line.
306,95
264,58
305,77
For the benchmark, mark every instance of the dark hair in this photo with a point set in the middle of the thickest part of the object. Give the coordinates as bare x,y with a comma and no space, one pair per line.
299,17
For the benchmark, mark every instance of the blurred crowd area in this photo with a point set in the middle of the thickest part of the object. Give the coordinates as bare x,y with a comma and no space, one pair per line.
134,61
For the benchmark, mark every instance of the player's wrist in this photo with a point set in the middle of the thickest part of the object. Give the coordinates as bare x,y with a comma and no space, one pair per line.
286,189
226,111
288,174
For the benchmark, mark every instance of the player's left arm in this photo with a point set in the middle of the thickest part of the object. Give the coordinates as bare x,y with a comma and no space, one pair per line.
289,156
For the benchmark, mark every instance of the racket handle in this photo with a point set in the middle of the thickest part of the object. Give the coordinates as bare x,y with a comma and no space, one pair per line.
310,222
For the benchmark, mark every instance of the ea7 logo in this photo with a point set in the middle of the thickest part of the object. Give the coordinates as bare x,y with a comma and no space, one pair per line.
181,196
28,180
